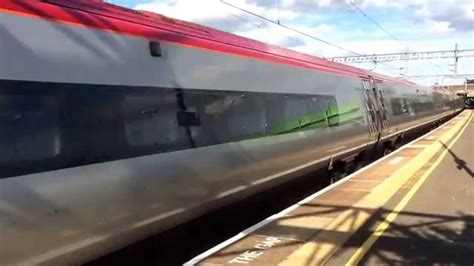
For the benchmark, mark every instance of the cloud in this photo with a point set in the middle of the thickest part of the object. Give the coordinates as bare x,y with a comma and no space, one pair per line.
419,24
205,12
458,14
218,15
302,6
291,42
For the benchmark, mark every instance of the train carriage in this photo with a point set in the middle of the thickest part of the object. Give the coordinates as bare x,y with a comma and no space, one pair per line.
117,124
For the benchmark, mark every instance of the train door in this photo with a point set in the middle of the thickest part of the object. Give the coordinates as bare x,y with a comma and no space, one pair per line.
370,107
380,94
376,108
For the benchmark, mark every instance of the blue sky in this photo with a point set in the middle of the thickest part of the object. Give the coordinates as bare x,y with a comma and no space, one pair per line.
412,25
129,3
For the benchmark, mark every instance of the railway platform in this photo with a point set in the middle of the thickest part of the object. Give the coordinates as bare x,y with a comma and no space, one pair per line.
414,206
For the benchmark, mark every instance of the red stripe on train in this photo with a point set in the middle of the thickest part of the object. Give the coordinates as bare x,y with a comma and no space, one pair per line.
99,16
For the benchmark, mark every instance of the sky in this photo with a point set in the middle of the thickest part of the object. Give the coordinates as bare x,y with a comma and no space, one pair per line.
407,26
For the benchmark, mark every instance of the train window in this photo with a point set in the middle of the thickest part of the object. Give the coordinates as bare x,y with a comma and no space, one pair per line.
226,116
151,120
53,126
381,94
370,102
396,106
30,130
332,112
401,106
31,127
300,112
423,105
381,97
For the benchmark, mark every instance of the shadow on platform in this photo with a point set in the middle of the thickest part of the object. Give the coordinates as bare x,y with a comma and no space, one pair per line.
460,163
423,239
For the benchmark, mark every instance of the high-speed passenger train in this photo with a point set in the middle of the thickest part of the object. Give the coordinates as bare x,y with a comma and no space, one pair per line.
117,124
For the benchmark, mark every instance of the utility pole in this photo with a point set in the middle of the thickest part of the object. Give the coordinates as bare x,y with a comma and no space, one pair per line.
456,59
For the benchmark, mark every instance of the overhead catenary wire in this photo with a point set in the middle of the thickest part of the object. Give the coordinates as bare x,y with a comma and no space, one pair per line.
378,25
289,28
401,44
278,23
351,2
373,21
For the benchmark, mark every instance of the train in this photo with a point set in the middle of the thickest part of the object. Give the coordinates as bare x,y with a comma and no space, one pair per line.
469,100
118,124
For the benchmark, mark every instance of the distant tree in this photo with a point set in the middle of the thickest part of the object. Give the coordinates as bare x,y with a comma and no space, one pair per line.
470,81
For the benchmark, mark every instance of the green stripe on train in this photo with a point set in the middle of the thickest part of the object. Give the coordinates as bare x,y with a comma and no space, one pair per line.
334,115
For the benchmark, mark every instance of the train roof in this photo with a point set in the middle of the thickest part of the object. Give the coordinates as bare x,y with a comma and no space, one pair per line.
109,17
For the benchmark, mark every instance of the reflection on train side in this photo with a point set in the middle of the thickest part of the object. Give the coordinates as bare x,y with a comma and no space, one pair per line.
50,126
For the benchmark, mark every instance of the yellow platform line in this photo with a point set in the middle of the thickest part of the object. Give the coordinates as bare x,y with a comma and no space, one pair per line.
359,254
318,250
